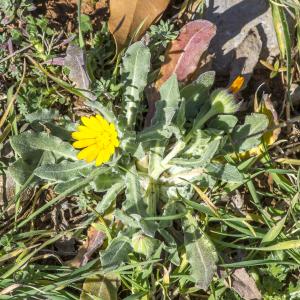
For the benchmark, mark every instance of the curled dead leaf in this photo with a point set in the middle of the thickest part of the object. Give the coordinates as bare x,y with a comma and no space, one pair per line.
94,241
129,19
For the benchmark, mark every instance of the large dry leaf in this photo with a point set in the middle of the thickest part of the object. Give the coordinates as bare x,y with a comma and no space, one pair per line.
245,285
184,54
129,19
94,241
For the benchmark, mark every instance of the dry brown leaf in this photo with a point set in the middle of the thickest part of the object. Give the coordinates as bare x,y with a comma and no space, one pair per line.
129,19
184,54
183,57
245,285
94,241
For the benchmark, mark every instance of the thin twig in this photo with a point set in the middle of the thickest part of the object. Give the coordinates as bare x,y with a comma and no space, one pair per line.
15,53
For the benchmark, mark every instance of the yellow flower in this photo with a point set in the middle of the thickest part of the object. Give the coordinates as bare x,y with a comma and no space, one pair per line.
97,138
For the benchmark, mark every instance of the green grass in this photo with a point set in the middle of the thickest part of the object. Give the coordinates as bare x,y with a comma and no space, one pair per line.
38,223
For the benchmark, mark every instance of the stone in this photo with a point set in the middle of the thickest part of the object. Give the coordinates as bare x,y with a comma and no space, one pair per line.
235,21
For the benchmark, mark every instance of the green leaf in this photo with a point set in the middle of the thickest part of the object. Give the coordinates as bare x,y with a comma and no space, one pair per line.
85,23
64,186
201,254
42,115
137,296
58,131
209,152
136,66
65,171
116,253
292,244
248,135
197,93
125,219
167,106
223,122
274,231
170,246
143,244
102,287
109,197
180,118
20,171
134,203
28,144
227,172
105,181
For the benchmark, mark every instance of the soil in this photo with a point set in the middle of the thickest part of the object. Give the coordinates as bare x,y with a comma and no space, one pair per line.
63,13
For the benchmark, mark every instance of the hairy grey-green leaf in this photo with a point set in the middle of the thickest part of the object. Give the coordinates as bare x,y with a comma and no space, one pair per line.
167,106
109,197
197,144
105,181
180,117
134,203
170,246
197,93
209,152
135,69
55,130
248,135
42,115
20,171
223,123
29,143
116,253
227,172
201,255
63,186
125,219
62,172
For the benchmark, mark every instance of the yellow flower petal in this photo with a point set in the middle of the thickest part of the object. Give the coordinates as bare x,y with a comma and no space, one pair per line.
92,155
83,135
84,143
91,123
99,160
88,152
